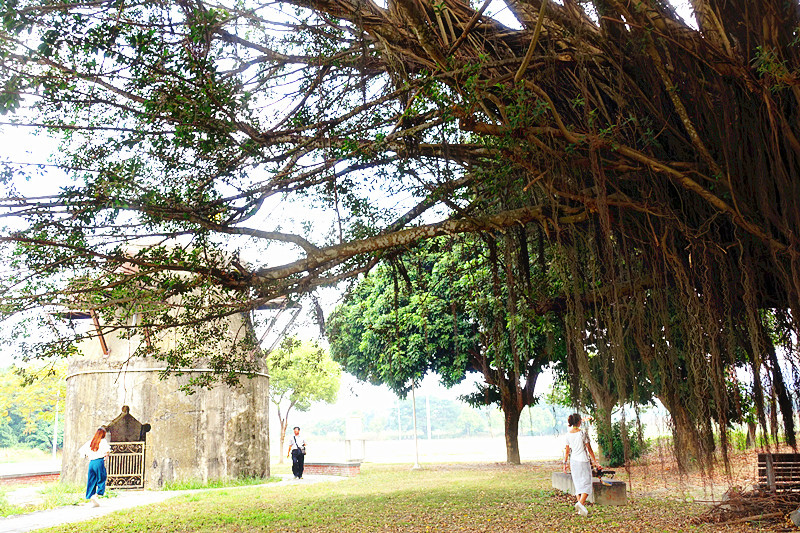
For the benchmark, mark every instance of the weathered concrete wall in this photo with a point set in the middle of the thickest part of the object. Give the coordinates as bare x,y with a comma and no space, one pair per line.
211,434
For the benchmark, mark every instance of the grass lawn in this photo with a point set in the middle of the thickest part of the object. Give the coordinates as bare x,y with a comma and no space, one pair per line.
494,498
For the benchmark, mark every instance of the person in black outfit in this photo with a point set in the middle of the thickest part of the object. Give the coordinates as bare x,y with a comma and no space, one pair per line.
297,449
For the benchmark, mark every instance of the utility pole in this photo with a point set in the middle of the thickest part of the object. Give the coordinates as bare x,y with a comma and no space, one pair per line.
55,431
399,427
530,421
414,414
428,413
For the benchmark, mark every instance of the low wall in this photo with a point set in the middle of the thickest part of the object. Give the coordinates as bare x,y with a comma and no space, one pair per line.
609,492
38,477
332,469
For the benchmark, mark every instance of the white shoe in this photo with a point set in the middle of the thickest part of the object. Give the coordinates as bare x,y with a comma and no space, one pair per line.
95,501
582,510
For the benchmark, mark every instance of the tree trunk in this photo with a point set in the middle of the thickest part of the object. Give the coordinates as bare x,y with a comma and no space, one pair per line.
686,440
284,422
782,396
511,414
751,435
284,426
605,431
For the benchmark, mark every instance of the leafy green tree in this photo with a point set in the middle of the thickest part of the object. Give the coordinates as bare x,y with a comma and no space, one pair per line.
300,373
449,307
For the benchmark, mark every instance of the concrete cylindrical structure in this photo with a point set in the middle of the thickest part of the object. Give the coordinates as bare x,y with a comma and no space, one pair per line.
211,434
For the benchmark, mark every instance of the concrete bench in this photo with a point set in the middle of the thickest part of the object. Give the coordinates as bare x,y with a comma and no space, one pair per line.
333,469
615,493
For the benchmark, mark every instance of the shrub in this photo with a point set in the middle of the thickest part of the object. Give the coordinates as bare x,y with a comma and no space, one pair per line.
614,451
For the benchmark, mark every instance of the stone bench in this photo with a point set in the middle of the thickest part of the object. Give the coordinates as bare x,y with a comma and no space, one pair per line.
616,493
333,469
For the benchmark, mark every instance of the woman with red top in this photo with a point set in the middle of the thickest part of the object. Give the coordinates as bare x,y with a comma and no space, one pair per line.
96,450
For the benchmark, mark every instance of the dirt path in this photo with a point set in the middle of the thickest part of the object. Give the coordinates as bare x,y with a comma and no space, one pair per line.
123,500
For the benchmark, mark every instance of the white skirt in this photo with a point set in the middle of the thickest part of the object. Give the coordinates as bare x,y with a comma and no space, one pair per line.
581,476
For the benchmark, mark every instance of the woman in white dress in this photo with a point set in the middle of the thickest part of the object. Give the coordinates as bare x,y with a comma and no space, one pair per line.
580,457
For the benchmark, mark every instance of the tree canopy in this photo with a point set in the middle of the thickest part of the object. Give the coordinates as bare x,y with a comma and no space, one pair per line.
659,155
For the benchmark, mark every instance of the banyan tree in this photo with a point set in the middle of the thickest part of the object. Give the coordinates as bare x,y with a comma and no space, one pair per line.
656,153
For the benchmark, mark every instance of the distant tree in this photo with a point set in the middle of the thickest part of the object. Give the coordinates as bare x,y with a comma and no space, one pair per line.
301,373
28,399
377,424
545,419
444,416
8,437
471,423
330,427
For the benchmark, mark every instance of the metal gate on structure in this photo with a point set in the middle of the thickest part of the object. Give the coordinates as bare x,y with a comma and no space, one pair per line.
126,465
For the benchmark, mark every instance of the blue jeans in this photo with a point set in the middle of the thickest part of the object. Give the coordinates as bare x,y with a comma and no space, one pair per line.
96,484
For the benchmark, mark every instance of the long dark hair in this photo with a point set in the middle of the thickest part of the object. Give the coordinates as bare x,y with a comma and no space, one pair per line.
99,434
574,420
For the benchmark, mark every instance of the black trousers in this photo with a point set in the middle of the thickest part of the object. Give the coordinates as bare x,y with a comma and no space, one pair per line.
298,460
